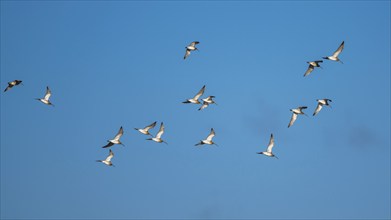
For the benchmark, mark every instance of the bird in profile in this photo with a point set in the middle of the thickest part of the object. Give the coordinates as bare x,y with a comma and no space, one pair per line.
45,99
107,161
334,57
321,103
312,65
195,100
296,111
208,139
115,140
159,134
208,100
146,129
190,47
268,151
12,84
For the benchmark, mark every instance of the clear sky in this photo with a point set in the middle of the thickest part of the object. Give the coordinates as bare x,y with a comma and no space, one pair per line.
120,63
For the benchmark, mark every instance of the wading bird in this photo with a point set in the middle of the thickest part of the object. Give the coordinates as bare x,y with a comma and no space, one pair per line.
195,100
208,100
268,151
296,111
208,139
312,65
158,136
146,129
12,84
45,99
334,57
107,161
116,139
190,47
321,103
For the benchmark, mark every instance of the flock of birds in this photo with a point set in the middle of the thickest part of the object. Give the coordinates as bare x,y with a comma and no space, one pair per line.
204,104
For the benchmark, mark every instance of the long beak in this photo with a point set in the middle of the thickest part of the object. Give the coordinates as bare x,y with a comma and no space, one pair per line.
275,156
341,61
165,142
123,144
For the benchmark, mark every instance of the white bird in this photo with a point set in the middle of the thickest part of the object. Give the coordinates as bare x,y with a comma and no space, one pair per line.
195,100
334,57
296,111
115,140
12,84
146,129
45,99
190,47
268,151
321,103
312,65
158,136
208,100
107,161
208,139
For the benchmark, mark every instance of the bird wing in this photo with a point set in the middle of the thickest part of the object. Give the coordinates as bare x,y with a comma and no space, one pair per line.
197,96
161,131
150,126
204,105
194,43
119,134
186,54
8,87
211,135
318,108
271,144
339,50
48,93
108,145
111,155
309,70
293,119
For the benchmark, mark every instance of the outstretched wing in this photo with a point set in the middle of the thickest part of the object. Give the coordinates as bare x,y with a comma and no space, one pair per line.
271,144
186,54
119,134
293,119
211,135
318,108
150,126
194,43
200,93
339,50
111,155
204,105
109,144
309,70
161,131
48,93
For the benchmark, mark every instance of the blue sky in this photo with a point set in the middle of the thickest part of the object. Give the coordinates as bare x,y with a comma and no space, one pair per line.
120,63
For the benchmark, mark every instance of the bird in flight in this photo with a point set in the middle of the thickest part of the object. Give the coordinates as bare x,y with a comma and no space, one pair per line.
107,161
158,136
45,99
296,111
12,84
208,139
195,100
334,57
321,103
116,139
146,129
190,47
268,151
208,100
312,65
